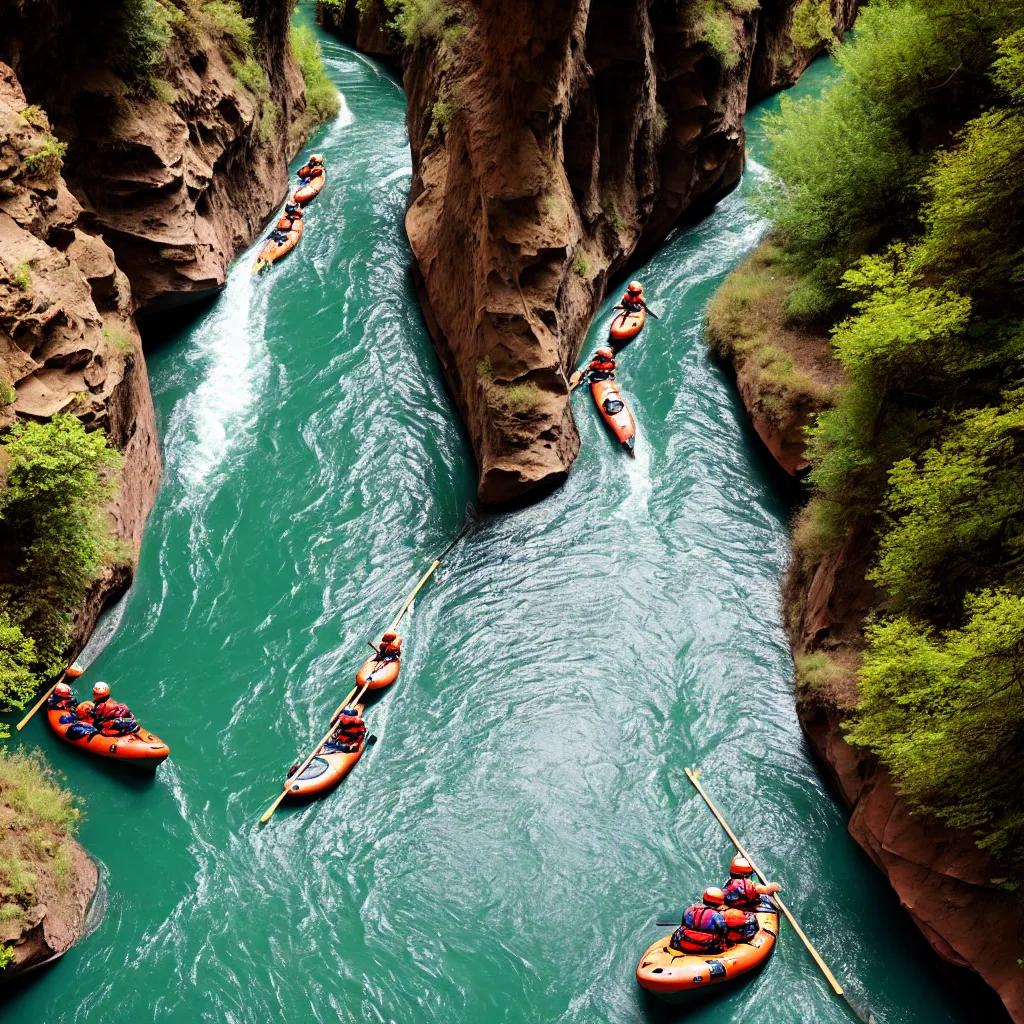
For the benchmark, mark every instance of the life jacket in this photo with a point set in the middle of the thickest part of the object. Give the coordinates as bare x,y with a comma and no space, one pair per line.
741,926
56,703
314,171
79,730
631,303
108,710
601,369
702,931
285,224
741,893
119,726
389,652
351,731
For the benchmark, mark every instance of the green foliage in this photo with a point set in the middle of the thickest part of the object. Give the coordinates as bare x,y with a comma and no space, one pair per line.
812,23
140,38
120,340
45,161
945,712
226,15
484,368
21,278
956,515
35,115
522,397
251,76
266,126
33,789
51,512
8,394
6,956
717,31
580,265
417,20
660,125
163,91
16,878
442,112
18,682
321,94
11,912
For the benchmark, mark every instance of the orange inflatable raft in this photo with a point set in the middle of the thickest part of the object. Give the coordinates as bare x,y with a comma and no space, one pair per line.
327,769
274,250
627,325
681,977
141,748
615,412
375,674
304,193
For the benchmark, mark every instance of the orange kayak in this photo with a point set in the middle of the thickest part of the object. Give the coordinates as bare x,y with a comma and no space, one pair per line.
627,325
275,250
326,770
375,675
141,748
679,977
615,412
304,193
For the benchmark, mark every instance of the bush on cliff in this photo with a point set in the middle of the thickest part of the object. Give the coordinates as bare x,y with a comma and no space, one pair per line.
900,197
321,94
58,479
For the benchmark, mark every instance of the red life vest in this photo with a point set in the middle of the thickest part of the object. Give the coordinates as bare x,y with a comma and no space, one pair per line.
603,365
741,893
389,652
351,731
108,710
702,931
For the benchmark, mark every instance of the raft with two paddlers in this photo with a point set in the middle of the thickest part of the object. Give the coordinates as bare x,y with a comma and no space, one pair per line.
679,977
142,748
312,184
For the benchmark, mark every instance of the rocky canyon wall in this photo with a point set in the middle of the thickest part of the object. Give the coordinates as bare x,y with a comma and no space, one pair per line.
551,145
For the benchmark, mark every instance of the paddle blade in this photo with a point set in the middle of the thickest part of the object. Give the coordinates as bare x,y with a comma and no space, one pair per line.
269,812
669,921
371,740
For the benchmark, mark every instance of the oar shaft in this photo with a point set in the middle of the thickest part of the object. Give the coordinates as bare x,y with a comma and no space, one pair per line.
42,700
836,987
409,600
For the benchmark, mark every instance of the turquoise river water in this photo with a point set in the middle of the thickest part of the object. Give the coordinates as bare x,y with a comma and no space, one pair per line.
504,850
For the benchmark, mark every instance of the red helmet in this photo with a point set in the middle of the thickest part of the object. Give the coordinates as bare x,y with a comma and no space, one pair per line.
316,158
85,709
635,288
714,896
101,691
62,690
606,353
740,867
389,637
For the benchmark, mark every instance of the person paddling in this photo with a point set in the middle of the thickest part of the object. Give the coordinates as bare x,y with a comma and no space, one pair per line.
290,218
703,929
632,300
110,717
62,698
351,732
741,926
741,891
390,648
313,168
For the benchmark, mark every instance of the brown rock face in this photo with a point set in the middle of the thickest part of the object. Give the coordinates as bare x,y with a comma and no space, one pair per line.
177,185
68,340
551,144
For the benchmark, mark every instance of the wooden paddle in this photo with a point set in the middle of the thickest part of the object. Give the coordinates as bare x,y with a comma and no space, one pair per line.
74,670
836,987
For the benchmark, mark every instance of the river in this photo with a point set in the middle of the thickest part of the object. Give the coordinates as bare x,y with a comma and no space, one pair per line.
504,850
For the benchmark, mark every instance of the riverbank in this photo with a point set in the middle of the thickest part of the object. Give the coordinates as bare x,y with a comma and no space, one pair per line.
786,374
47,881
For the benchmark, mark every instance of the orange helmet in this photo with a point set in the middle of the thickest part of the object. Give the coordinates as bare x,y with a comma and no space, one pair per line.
714,896
740,867
101,691
635,288
85,709
734,917
388,637
316,158
62,690
605,353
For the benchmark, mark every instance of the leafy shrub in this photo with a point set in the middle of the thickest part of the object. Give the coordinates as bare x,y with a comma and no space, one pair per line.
321,93
46,161
417,20
580,265
812,23
226,15
21,278
18,681
34,791
58,479
266,126
120,340
251,76
8,394
718,32
141,38
522,397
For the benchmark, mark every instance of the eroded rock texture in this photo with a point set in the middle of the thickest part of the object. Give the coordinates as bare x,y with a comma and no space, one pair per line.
551,144
177,180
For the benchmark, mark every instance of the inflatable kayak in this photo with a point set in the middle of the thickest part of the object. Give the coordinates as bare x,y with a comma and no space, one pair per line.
141,748
275,250
375,675
615,412
304,193
627,326
327,769
680,977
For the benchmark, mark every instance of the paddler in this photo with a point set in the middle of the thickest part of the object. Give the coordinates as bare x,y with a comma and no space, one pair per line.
633,299
741,926
703,928
602,366
290,218
350,734
390,648
110,717
62,698
741,891
313,168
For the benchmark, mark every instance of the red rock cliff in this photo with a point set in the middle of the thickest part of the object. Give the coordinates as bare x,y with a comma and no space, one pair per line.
551,144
